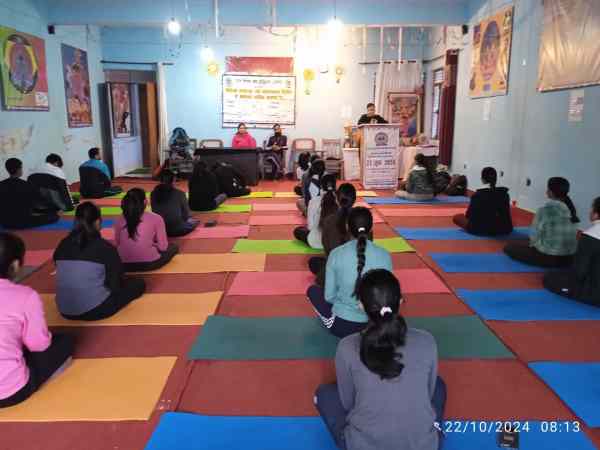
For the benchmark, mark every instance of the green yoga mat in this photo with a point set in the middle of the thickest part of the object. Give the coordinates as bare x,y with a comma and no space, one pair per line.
105,210
288,247
274,246
241,338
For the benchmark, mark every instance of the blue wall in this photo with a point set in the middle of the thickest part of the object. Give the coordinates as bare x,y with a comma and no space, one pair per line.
194,97
50,131
528,135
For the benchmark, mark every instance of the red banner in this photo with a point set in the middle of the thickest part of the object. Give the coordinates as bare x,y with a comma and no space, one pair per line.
259,65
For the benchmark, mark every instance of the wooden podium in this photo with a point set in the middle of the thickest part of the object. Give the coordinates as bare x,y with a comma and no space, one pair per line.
379,155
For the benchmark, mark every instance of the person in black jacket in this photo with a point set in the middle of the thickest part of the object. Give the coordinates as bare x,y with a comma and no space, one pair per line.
20,200
489,210
370,117
582,281
204,189
90,281
172,205
231,182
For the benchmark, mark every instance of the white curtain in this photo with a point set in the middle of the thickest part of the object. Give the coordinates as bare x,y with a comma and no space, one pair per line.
163,123
405,77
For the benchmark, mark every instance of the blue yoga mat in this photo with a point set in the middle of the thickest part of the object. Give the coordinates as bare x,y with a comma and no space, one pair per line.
446,234
461,436
403,201
64,224
576,384
180,431
526,305
481,263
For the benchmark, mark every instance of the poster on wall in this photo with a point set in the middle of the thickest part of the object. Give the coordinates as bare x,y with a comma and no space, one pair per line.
492,39
120,96
77,87
569,45
576,103
259,65
404,109
23,71
259,100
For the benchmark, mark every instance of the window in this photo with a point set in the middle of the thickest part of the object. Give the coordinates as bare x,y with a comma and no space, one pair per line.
438,80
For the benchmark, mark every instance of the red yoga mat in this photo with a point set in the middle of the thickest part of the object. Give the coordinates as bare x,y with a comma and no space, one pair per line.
287,219
37,257
295,282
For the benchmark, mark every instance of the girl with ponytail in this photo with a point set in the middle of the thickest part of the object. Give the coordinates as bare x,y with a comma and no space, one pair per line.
320,207
419,186
334,230
553,233
488,213
388,394
337,305
90,279
141,236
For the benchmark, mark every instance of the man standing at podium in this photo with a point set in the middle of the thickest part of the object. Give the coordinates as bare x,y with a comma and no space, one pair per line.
370,117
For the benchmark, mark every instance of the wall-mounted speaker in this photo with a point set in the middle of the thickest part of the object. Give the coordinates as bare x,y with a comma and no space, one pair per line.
51,29
465,29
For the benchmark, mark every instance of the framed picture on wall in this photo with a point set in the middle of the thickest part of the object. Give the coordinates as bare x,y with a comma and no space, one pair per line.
77,87
404,108
120,98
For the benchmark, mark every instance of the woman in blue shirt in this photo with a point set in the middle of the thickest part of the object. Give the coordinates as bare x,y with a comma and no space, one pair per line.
338,306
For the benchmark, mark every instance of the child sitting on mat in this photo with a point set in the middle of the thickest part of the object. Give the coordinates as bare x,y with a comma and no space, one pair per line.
338,306
301,170
90,282
204,189
312,186
141,236
319,208
419,186
29,353
305,180
172,205
334,231
582,281
553,233
388,394
488,213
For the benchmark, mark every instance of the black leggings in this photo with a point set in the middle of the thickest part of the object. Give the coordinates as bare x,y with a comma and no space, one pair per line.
301,233
317,265
336,325
165,258
532,256
131,288
42,365
32,221
183,230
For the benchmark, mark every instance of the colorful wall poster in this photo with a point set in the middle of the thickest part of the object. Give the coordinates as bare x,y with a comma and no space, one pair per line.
569,44
404,109
379,155
23,71
492,39
120,97
77,87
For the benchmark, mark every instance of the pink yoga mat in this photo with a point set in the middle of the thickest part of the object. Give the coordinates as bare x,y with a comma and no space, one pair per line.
224,231
258,207
37,257
376,217
412,281
288,219
107,202
432,211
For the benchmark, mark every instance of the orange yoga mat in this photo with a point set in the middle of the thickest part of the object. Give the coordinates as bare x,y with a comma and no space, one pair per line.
150,309
287,219
99,389
215,262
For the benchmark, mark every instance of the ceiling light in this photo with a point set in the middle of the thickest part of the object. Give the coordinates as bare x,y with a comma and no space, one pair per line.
174,27
335,25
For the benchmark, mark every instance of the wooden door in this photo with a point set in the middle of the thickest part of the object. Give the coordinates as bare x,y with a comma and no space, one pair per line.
149,120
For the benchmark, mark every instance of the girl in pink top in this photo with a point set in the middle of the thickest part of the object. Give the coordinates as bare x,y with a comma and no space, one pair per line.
243,139
141,235
29,354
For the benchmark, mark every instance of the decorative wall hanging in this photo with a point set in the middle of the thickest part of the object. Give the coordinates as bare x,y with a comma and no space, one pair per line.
23,70
77,87
212,69
339,72
309,76
405,110
120,96
492,39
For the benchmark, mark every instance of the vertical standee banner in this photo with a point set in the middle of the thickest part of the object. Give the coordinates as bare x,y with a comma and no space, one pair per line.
379,156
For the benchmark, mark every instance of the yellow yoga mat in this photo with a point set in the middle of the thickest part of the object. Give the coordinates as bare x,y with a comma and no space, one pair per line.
215,262
99,389
150,309
366,194
259,194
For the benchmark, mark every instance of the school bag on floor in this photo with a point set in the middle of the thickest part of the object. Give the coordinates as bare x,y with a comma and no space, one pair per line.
458,185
